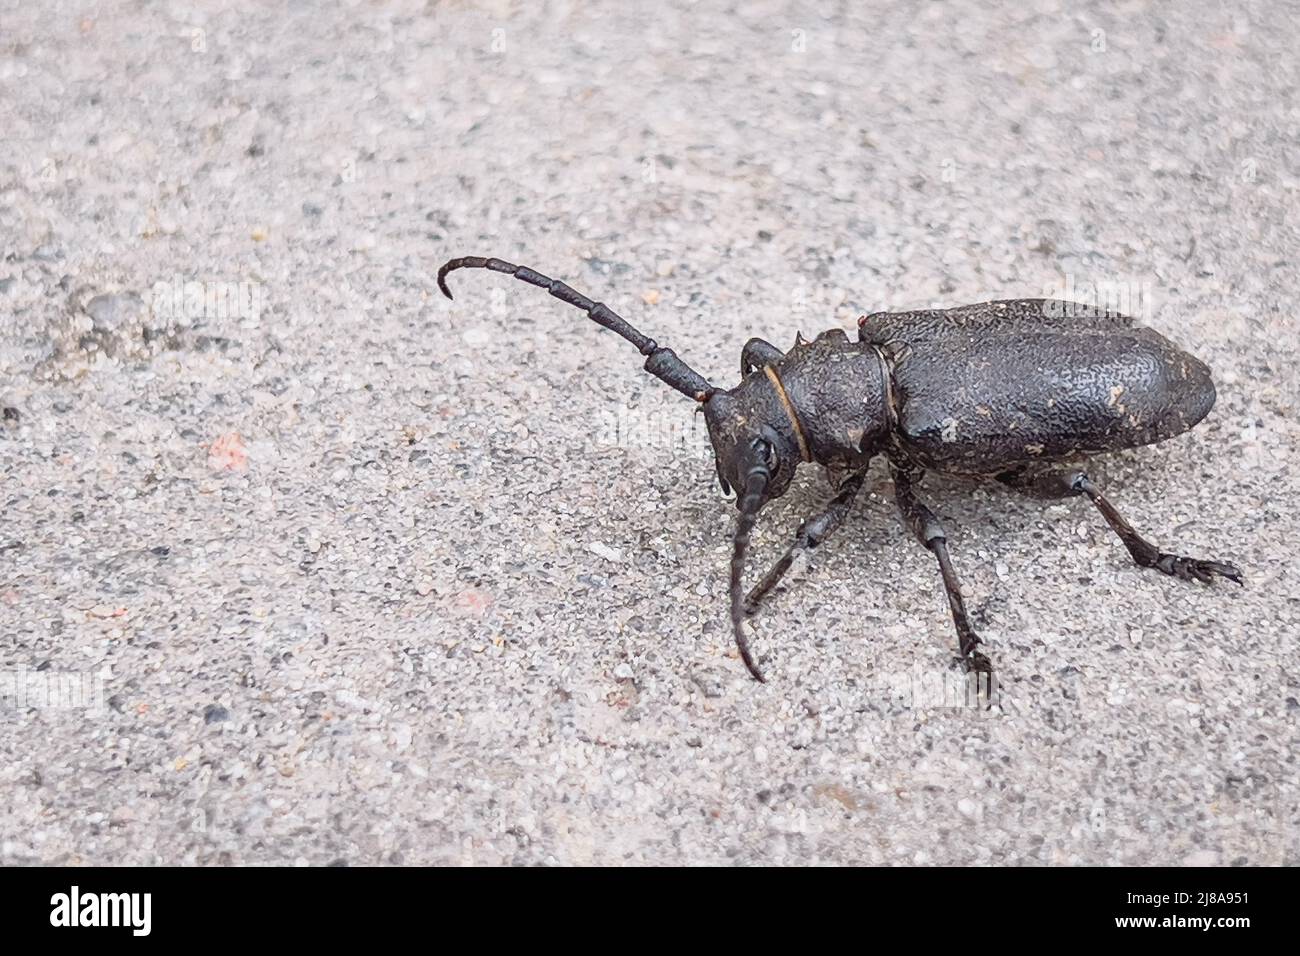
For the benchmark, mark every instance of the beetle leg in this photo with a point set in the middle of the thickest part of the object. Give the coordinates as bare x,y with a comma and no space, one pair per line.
811,533
922,523
756,354
1144,553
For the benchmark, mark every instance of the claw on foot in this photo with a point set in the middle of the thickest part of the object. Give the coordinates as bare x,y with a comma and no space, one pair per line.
1196,569
984,683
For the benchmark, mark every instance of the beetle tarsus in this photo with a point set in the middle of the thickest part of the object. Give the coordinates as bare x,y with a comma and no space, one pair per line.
1189,569
980,669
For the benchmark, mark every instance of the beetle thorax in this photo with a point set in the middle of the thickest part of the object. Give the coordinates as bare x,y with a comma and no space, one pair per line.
840,393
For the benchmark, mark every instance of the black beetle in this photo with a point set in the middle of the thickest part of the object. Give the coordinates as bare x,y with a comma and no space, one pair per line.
1018,391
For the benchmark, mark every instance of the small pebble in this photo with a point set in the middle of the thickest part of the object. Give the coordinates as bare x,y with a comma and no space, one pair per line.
111,312
605,551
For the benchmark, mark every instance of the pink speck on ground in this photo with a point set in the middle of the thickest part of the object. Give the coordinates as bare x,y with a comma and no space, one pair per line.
228,453
472,602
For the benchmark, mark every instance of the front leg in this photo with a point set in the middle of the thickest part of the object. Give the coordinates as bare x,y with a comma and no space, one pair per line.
811,533
929,532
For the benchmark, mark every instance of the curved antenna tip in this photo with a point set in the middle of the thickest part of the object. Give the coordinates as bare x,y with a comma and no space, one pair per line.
742,645
442,282
745,654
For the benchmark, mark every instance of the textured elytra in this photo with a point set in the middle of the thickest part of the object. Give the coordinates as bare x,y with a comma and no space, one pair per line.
986,388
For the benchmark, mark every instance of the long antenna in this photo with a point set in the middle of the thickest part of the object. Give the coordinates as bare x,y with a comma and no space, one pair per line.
662,363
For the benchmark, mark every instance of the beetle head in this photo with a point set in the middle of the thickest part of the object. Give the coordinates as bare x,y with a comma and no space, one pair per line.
751,437
756,452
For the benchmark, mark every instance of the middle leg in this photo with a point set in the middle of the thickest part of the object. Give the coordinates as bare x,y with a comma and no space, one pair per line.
929,532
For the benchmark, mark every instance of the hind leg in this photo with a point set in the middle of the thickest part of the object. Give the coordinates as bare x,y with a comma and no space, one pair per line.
1069,484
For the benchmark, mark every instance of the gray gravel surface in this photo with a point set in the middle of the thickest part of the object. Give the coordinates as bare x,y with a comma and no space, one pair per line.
361,575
